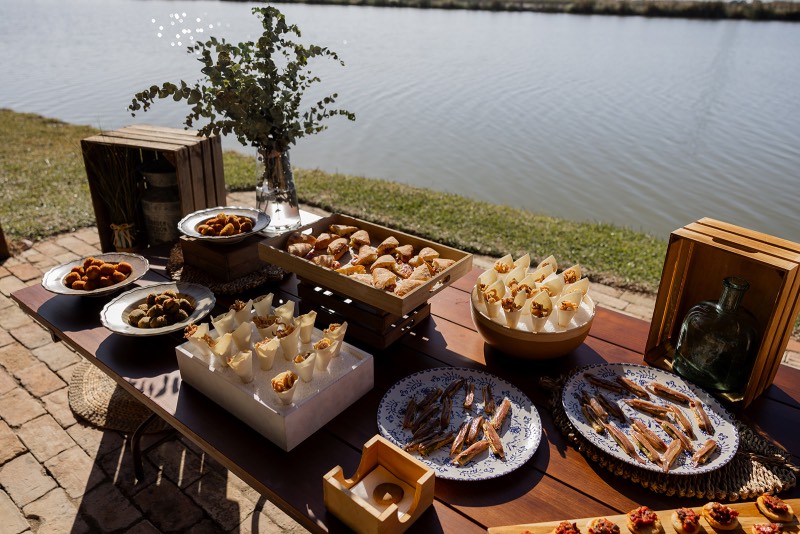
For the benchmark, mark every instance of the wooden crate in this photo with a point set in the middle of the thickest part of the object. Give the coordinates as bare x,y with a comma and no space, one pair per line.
699,256
197,162
375,327
274,251
222,262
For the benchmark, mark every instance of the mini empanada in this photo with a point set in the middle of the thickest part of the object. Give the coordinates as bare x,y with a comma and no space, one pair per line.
300,249
359,238
406,286
384,279
338,247
342,229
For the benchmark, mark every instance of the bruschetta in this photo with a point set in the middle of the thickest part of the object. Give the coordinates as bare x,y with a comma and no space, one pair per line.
685,521
774,508
765,528
601,525
721,517
643,520
566,527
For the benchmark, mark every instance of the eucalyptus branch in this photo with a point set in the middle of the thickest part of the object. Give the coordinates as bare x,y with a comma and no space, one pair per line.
253,90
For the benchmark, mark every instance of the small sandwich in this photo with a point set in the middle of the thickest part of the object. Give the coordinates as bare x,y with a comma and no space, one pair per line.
766,528
774,508
720,517
565,527
643,520
601,525
685,521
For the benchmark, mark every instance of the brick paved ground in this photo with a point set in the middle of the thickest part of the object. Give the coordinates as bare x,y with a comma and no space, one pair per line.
58,474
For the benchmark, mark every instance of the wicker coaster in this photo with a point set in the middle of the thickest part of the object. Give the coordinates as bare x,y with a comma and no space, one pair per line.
96,398
758,467
180,272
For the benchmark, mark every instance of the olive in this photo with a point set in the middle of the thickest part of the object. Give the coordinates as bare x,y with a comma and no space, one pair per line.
135,316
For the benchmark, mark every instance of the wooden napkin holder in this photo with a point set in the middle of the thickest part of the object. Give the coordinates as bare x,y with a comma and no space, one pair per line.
365,516
699,256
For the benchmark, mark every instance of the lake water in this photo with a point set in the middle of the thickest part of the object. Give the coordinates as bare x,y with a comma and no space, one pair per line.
646,123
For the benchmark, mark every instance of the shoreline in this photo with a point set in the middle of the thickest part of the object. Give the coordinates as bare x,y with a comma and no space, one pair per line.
689,9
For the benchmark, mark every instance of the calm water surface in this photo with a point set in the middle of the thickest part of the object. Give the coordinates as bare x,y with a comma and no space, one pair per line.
649,124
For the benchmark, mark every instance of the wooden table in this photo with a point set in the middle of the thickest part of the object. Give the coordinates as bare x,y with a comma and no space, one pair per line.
557,483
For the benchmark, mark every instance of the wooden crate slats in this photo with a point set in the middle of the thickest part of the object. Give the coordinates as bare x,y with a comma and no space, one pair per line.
200,178
698,257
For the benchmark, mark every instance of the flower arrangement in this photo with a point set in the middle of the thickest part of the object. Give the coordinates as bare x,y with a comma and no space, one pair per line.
253,90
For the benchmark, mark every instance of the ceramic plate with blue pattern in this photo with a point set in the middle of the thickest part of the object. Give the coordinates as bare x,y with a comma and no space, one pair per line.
520,434
724,430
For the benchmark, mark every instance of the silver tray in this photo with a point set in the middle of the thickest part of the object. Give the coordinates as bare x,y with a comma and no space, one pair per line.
53,279
114,315
187,226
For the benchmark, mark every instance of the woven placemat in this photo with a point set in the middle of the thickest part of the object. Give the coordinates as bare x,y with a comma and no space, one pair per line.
96,398
179,272
758,467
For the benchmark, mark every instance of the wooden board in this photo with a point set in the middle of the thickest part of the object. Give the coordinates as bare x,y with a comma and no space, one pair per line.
274,251
748,516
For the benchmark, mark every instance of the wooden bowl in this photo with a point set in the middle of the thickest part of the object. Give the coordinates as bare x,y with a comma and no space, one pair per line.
530,345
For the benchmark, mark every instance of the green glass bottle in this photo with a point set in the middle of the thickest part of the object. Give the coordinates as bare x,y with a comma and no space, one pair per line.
718,341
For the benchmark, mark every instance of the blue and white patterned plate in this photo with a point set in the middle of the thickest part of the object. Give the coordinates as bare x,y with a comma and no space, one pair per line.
725,433
520,433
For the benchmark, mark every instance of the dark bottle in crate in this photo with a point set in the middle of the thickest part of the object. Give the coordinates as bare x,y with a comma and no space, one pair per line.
718,341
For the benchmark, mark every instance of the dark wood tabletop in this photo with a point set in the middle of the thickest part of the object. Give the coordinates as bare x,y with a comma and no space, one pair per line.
557,483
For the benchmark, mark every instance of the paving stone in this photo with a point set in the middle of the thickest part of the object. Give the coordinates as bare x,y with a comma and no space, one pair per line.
75,471
49,248
10,517
88,235
206,526
4,272
5,301
15,357
223,503
109,508
25,480
66,256
46,263
640,299
76,246
5,338
96,442
18,407
44,437
13,317
25,271
258,523
32,336
7,382
66,372
607,301
143,527
9,284
177,462
10,445
57,404
119,468
39,380
642,312
55,514
209,463
605,290
792,359
56,355
167,507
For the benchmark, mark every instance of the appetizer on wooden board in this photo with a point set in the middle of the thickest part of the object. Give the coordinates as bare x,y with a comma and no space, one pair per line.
748,518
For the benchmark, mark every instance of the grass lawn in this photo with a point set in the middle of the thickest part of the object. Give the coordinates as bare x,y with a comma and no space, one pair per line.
44,192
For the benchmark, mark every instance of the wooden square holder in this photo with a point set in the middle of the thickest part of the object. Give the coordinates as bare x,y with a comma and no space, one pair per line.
197,162
362,516
699,256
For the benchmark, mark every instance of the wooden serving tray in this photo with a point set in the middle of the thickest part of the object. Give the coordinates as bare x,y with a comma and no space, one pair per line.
748,516
274,251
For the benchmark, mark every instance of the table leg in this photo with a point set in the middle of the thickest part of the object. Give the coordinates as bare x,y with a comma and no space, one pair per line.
136,445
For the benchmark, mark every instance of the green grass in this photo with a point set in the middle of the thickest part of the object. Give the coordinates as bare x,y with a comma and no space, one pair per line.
44,192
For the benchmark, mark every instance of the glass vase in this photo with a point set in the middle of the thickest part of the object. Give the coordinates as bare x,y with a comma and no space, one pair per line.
718,341
275,191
